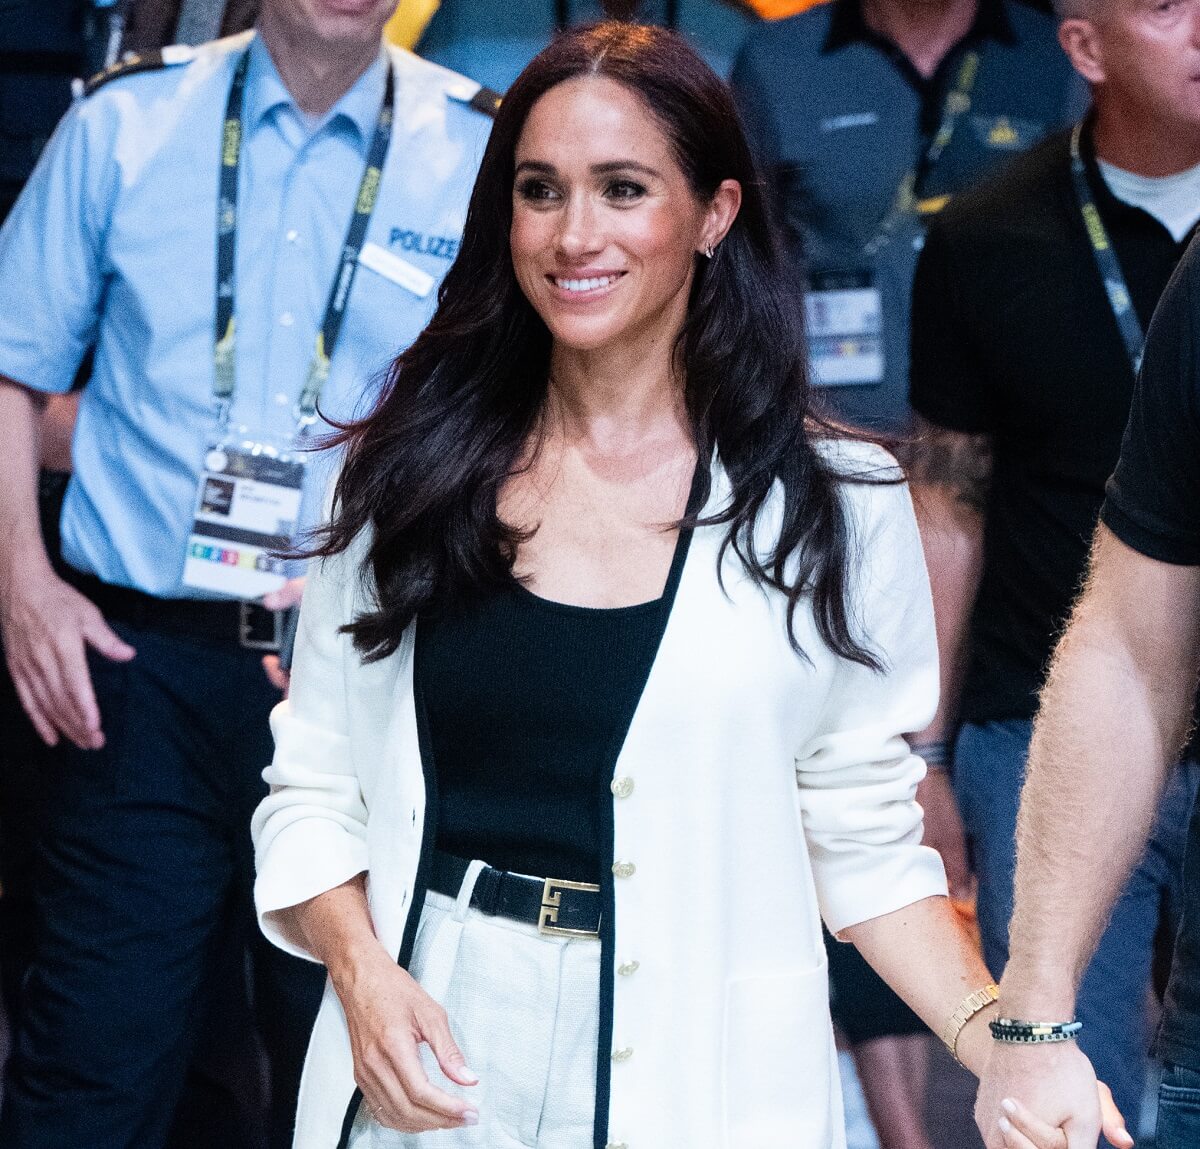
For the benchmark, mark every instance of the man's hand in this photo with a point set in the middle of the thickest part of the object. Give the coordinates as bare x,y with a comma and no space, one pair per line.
944,831
48,627
287,596
1045,1096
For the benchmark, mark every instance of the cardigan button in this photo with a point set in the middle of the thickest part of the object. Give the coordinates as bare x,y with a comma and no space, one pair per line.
616,1145
628,968
624,869
622,1054
621,787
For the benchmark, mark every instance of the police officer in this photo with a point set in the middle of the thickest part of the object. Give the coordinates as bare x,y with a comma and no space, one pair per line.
248,232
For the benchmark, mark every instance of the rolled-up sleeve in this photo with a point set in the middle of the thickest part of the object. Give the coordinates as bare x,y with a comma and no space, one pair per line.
856,775
310,831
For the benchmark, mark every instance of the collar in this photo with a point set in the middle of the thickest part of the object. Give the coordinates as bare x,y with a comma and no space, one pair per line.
847,25
358,108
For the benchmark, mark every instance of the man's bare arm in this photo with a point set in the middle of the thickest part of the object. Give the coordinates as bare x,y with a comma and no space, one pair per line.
47,625
1114,714
949,472
21,413
58,430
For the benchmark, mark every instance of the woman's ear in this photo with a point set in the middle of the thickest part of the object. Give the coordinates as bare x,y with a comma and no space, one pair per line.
722,211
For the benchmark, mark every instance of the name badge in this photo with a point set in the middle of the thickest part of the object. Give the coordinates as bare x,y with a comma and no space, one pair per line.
844,317
247,507
391,266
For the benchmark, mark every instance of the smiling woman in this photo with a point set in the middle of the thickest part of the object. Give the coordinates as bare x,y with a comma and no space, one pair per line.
600,690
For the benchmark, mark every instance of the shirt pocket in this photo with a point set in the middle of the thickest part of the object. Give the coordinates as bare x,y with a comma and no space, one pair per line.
780,1084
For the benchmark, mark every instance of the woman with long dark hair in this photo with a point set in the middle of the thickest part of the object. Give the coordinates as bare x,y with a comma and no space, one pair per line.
601,686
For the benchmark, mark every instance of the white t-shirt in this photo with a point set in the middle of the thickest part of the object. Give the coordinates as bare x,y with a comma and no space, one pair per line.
1173,200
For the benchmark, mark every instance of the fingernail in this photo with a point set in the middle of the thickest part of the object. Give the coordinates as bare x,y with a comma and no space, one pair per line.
1008,1105
470,1117
1005,1125
468,1074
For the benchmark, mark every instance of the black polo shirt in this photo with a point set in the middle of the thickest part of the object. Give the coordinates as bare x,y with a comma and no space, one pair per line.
838,117
1153,505
1014,337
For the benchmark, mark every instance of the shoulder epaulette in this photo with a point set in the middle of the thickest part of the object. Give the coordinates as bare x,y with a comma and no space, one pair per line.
137,62
482,99
487,101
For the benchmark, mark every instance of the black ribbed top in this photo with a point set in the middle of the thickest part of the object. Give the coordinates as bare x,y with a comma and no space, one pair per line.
527,703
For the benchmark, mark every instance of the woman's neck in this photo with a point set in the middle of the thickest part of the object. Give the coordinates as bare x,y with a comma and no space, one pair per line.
612,403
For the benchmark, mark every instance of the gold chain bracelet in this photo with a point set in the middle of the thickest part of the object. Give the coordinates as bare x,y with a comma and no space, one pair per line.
967,1009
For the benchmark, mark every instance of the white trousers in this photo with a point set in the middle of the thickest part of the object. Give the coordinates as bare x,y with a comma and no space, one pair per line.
524,1009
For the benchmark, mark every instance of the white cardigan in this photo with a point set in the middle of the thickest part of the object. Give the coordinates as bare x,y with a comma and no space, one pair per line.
770,792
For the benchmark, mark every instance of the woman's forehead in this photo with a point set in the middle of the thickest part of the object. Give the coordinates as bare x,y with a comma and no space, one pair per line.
591,120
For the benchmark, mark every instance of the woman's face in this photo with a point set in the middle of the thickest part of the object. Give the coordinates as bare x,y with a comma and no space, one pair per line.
605,228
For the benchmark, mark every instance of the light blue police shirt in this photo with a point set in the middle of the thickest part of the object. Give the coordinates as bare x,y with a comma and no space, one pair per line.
113,244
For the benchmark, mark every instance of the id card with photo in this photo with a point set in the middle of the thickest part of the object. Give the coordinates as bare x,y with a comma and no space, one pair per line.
844,317
247,506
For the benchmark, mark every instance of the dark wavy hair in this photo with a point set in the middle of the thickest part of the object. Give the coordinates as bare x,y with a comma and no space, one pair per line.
464,403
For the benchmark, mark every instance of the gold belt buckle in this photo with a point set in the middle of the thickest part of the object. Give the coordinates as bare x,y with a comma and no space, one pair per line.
552,901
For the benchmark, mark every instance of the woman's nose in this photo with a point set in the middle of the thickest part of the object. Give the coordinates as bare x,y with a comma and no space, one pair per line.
579,233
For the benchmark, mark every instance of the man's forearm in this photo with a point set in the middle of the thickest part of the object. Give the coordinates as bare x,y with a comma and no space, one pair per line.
952,537
58,431
949,472
1114,714
20,529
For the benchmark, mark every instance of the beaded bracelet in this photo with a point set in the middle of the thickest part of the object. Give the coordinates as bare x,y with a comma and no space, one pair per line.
1014,1032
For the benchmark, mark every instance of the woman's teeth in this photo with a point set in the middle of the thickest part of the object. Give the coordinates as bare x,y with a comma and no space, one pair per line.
585,284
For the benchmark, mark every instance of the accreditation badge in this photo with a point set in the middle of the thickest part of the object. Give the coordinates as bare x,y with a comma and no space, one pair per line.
844,318
247,509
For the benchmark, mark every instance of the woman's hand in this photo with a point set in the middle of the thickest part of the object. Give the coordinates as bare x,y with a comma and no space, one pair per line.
389,1015
1022,1130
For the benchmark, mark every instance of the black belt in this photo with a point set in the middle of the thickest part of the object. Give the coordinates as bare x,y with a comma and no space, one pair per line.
245,624
557,908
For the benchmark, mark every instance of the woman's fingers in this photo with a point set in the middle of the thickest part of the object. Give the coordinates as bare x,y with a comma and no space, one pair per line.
1030,1129
435,1029
424,1094
1015,1139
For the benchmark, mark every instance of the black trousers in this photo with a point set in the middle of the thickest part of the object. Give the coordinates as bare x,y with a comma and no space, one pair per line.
146,873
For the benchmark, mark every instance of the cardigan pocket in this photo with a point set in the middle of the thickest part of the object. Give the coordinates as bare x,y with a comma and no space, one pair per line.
779,1077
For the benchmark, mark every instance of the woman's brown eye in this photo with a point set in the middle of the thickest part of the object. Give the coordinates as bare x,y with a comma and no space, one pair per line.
535,190
625,190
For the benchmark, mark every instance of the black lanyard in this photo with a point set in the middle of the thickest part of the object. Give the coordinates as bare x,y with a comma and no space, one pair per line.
908,200
1107,263
224,353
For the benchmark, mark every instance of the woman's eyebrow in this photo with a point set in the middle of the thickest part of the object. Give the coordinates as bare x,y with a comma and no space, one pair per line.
606,168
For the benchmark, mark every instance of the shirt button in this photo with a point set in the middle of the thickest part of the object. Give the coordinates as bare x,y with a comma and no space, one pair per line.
292,235
622,787
628,968
287,319
624,869
622,1054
